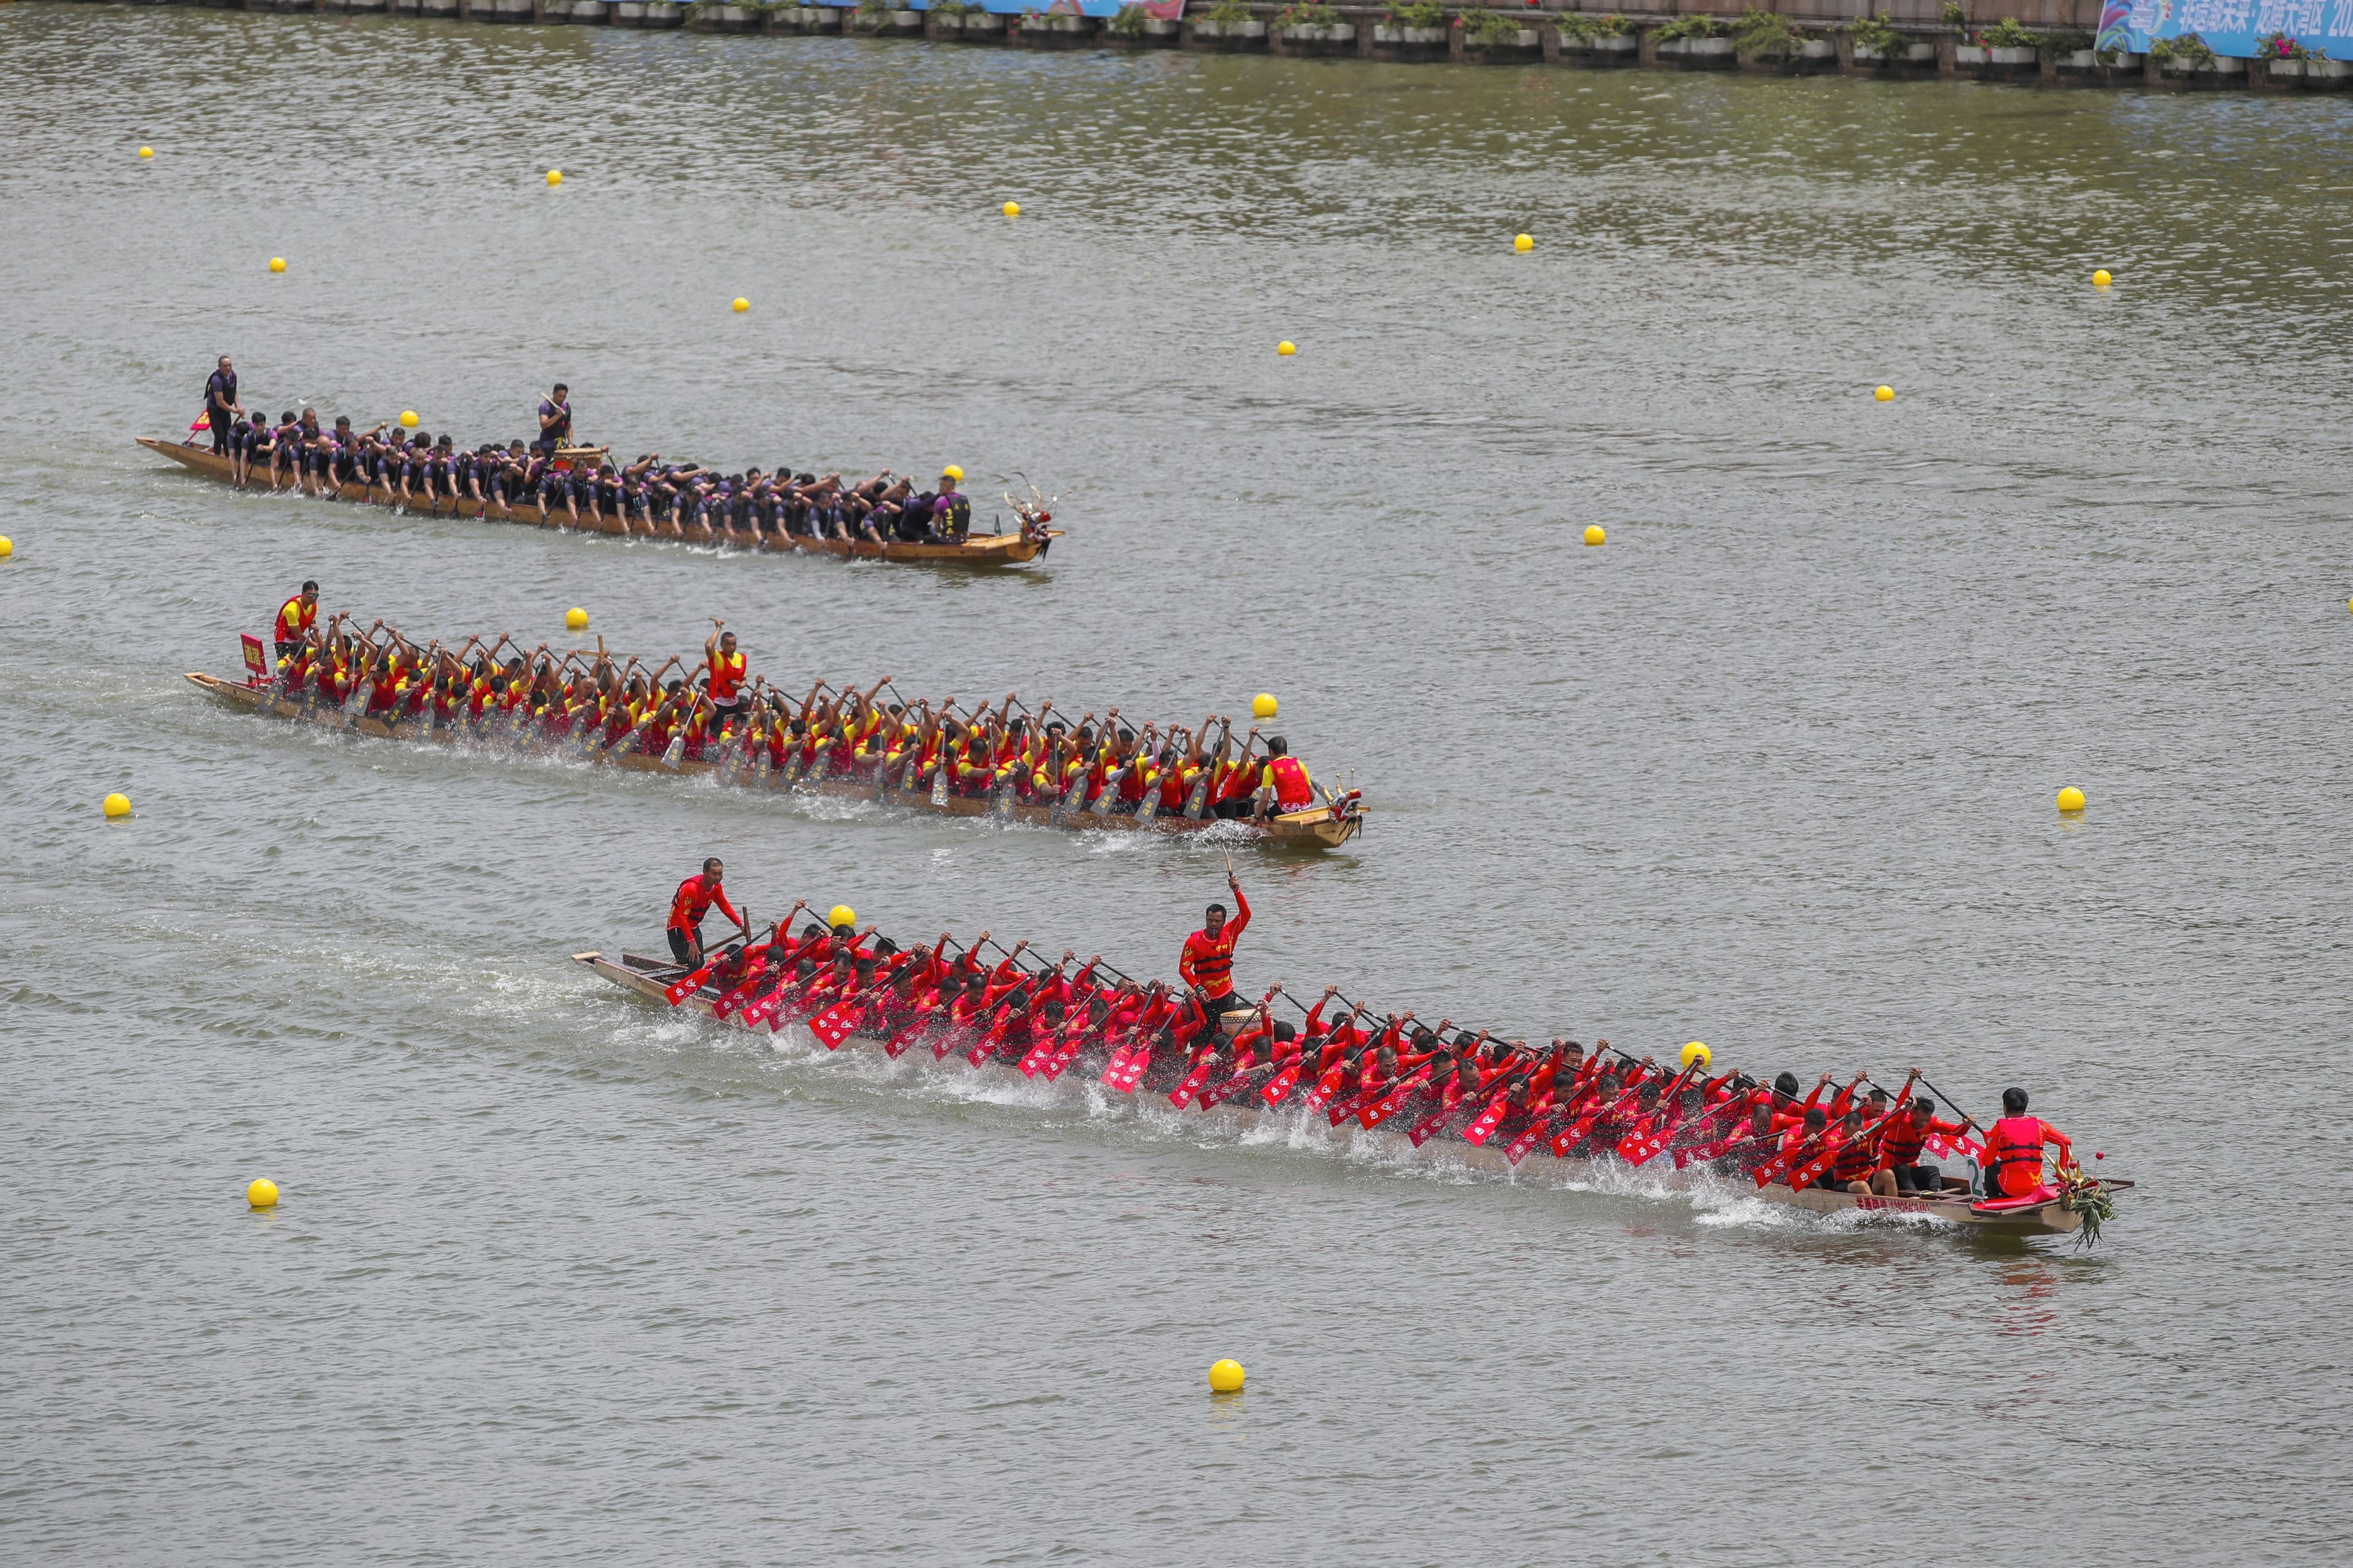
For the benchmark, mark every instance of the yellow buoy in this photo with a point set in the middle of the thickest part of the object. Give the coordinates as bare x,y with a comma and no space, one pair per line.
1263,706
117,805
741,304
1593,534
2101,279
842,915
1698,1053
575,619
1885,395
278,264
1011,209
261,1192
1226,1377
409,418
2070,800
7,547
1286,348
556,176
1524,242
146,151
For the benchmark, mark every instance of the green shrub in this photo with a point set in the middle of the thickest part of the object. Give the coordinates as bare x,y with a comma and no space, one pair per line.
1417,14
1306,13
1128,23
1486,28
1878,35
1683,28
1230,13
1767,35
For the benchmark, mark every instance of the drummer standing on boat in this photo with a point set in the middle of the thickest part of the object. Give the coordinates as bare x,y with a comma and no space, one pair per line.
221,406
1208,961
690,904
555,419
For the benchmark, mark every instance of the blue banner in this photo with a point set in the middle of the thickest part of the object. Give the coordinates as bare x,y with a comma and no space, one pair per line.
2322,27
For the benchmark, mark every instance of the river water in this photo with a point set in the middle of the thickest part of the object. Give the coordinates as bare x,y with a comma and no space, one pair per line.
559,1279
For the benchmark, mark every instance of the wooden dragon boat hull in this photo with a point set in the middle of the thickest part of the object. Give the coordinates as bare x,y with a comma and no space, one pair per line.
649,977
1324,828
980,550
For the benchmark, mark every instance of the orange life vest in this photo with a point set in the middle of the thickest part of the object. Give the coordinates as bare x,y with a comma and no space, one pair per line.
295,619
2015,1156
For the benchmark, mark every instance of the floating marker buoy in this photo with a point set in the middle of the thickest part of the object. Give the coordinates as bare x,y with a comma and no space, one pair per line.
1286,348
1524,242
2070,800
841,915
278,264
1226,1377
146,151
1696,1052
741,304
116,804
7,547
1011,209
2101,279
1885,395
409,418
1593,534
1263,706
575,619
556,176
261,1192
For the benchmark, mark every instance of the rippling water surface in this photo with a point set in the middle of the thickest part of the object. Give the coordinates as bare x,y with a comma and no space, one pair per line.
560,1279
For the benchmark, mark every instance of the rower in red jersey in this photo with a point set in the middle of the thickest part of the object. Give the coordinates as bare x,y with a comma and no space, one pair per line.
690,904
1208,961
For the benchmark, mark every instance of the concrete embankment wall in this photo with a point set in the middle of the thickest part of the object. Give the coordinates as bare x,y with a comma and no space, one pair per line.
1929,45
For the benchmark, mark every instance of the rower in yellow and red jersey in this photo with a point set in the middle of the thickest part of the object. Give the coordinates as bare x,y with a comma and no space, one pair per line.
1284,783
726,675
295,619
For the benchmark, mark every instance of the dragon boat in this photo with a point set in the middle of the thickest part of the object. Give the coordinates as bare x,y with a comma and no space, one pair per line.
1028,544
652,977
1326,826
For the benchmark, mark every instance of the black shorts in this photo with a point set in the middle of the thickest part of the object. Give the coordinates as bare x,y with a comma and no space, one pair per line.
1918,1178
683,947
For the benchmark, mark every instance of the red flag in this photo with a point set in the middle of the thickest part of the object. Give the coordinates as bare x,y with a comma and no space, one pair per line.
1283,1082
833,1026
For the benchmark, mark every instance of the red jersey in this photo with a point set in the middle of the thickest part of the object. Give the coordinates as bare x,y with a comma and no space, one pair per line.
1207,960
693,901
726,675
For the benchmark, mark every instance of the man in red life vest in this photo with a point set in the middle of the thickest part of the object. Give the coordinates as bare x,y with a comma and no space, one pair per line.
1284,783
1901,1173
726,675
2013,1163
689,905
1208,961
295,618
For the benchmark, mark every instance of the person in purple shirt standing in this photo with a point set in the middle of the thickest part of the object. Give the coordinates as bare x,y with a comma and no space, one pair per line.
221,406
555,419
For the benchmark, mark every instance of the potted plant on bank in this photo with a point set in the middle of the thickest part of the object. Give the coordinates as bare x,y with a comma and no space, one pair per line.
1230,20
2188,57
1768,41
1489,31
1693,41
1601,40
1413,23
2283,57
1312,22
1873,44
